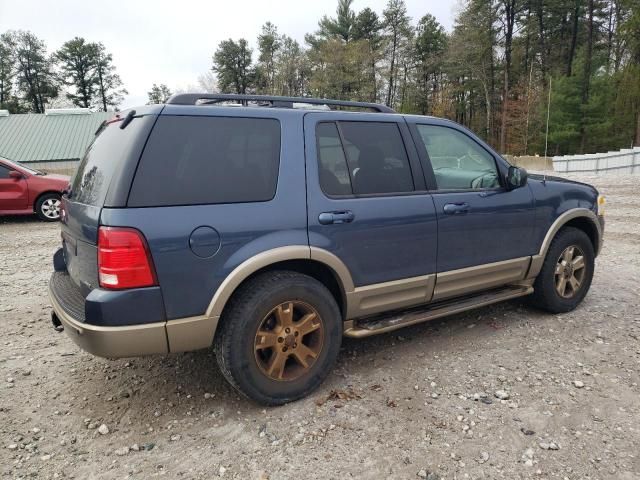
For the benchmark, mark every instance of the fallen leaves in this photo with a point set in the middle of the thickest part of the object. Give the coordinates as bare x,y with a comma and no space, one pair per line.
340,395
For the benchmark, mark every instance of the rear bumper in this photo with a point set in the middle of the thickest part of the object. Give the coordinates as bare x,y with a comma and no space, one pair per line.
113,342
131,340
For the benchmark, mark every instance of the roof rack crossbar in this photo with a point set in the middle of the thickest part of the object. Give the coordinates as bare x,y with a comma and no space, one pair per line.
274,101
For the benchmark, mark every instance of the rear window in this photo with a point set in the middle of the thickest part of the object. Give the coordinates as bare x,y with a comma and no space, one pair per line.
362,158
102,159
206,160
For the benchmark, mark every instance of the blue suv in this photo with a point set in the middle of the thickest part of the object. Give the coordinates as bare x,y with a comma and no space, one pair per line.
271,227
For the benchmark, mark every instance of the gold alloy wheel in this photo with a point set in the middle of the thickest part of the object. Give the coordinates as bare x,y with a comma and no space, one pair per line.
289,340
570,271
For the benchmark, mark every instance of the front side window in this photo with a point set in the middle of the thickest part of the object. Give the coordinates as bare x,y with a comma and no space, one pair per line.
458,162
4,171
362,158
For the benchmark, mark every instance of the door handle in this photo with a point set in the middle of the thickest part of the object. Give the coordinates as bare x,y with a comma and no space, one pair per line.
456,208
328,218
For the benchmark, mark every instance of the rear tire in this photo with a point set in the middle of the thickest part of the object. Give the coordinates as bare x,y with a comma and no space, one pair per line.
566,273
279,337
48,207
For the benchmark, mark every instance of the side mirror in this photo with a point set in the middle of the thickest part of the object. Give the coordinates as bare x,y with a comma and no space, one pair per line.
15,175
516,177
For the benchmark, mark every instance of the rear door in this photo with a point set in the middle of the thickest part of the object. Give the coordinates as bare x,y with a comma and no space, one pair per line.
368,205
480,222
14,192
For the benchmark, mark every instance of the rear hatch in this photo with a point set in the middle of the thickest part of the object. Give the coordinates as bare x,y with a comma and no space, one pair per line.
103,178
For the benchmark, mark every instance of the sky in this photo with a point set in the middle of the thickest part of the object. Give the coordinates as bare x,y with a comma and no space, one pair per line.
157,41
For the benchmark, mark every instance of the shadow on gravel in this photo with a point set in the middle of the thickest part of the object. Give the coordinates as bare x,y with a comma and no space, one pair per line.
20,219
190,384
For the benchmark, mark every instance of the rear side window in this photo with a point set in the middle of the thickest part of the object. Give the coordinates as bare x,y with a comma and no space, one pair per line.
372,153
206,160
334,172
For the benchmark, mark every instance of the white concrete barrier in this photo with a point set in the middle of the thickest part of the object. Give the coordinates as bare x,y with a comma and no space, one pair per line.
625,161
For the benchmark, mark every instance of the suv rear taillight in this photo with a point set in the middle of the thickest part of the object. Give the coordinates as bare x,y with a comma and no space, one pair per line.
124,260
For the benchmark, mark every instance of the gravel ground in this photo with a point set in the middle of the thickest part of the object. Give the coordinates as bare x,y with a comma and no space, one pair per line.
501,392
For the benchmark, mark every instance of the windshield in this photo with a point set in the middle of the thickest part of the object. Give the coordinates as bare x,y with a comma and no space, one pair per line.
32,171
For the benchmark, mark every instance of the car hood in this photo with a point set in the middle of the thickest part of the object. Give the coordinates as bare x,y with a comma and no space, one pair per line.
55,176
552,178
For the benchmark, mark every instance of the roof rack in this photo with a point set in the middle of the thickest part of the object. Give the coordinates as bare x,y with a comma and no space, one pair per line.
267,100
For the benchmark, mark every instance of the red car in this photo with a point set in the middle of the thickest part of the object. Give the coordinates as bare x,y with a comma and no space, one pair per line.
24,191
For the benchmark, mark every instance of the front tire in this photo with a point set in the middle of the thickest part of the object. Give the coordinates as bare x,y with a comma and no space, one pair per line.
48,207
279,337
566,273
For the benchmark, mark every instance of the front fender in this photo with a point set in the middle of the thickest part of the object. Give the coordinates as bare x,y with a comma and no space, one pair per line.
562,220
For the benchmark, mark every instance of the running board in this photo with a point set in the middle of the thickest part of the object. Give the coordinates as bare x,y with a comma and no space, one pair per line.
366,327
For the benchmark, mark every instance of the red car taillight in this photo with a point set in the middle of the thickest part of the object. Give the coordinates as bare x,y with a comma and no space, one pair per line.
124,260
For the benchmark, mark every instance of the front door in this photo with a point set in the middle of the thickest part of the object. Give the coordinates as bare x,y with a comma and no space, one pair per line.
480,222
368,205
14,192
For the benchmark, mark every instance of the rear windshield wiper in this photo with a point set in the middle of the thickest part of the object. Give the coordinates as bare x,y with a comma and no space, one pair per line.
100,128
127,119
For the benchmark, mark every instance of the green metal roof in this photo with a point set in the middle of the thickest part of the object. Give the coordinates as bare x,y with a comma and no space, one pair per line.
33,137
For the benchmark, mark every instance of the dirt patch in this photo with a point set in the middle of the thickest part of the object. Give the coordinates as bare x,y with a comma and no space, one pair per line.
501,392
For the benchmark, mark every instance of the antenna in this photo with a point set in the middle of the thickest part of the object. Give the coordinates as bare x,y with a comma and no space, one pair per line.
546,136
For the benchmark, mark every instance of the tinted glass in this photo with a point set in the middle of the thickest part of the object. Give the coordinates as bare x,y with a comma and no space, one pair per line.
458,162
103,157
204,160
376,157
332,167
4,172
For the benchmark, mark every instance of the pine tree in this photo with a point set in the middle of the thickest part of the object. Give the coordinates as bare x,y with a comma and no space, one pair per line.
269,44
397,29
36,81
110,89
340,27
430,45
368,28
78,61
232,64
158,94
7,70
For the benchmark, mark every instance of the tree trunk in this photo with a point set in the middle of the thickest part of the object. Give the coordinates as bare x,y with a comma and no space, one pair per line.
487,100
587,74
391,69
574,38
503,120
374,87
610,31
492,73
541,39
103,97
510,16
636,142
